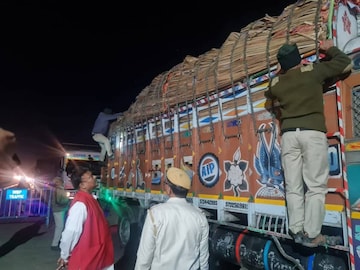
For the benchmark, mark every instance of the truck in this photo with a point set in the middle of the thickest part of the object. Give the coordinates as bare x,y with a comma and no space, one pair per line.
65,161
75,156
208,115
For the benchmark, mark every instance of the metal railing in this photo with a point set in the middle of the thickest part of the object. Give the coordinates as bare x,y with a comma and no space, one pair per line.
22,204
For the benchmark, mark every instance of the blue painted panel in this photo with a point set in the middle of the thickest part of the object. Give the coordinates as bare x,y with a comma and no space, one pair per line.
353,172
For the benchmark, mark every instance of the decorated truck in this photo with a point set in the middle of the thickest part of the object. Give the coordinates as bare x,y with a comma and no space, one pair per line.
208,115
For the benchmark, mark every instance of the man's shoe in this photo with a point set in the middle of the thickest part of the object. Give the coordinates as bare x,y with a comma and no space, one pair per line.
319,240
298,237
322,240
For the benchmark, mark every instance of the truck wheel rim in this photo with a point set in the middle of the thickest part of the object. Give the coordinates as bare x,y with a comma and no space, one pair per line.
124,231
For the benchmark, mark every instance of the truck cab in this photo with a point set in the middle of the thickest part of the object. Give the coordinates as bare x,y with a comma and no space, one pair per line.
76,156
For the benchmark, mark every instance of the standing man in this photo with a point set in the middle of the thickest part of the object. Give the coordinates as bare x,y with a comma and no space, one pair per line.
175,233
304,145
59,207
86,241
100,131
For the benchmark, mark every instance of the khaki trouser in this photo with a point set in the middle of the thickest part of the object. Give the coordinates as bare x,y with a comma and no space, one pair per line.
59,220
104,145
304,157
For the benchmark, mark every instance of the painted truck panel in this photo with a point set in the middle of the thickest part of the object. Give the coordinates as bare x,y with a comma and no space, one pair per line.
208,115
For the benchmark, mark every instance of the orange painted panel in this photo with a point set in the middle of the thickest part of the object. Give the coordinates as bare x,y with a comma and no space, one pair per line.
331,112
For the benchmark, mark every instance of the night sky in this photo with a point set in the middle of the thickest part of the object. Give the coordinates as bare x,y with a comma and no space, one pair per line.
61,62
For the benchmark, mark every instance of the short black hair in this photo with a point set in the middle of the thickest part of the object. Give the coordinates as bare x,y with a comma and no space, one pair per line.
179,192
76,176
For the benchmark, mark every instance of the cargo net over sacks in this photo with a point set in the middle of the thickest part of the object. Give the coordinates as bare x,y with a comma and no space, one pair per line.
243,55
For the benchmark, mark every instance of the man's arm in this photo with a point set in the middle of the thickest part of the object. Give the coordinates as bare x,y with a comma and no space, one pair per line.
8,157
204,246
7,140
73,229
271,102
146,248
339,62
112,116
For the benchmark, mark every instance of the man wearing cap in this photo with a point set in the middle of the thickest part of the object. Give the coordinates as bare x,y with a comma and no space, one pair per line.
175,233
304,146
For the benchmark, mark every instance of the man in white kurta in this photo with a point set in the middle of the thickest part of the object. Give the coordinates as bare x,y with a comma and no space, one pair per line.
86,231
175,233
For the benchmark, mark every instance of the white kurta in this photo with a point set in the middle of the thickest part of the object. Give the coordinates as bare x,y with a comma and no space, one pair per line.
73,230
174,236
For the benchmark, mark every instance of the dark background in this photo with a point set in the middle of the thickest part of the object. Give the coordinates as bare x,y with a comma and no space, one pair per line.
61,62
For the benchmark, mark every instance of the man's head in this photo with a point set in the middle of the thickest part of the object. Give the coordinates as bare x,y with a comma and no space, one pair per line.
58,181
87,181
83,179
288,56
179,181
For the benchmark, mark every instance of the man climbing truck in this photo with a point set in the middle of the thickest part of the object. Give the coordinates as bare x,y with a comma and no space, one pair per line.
208,116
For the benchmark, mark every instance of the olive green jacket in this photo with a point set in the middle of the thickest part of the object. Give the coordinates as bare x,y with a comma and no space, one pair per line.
300,91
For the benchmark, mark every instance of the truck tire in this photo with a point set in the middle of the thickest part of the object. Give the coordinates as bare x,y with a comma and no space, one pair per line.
128,260
124,230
